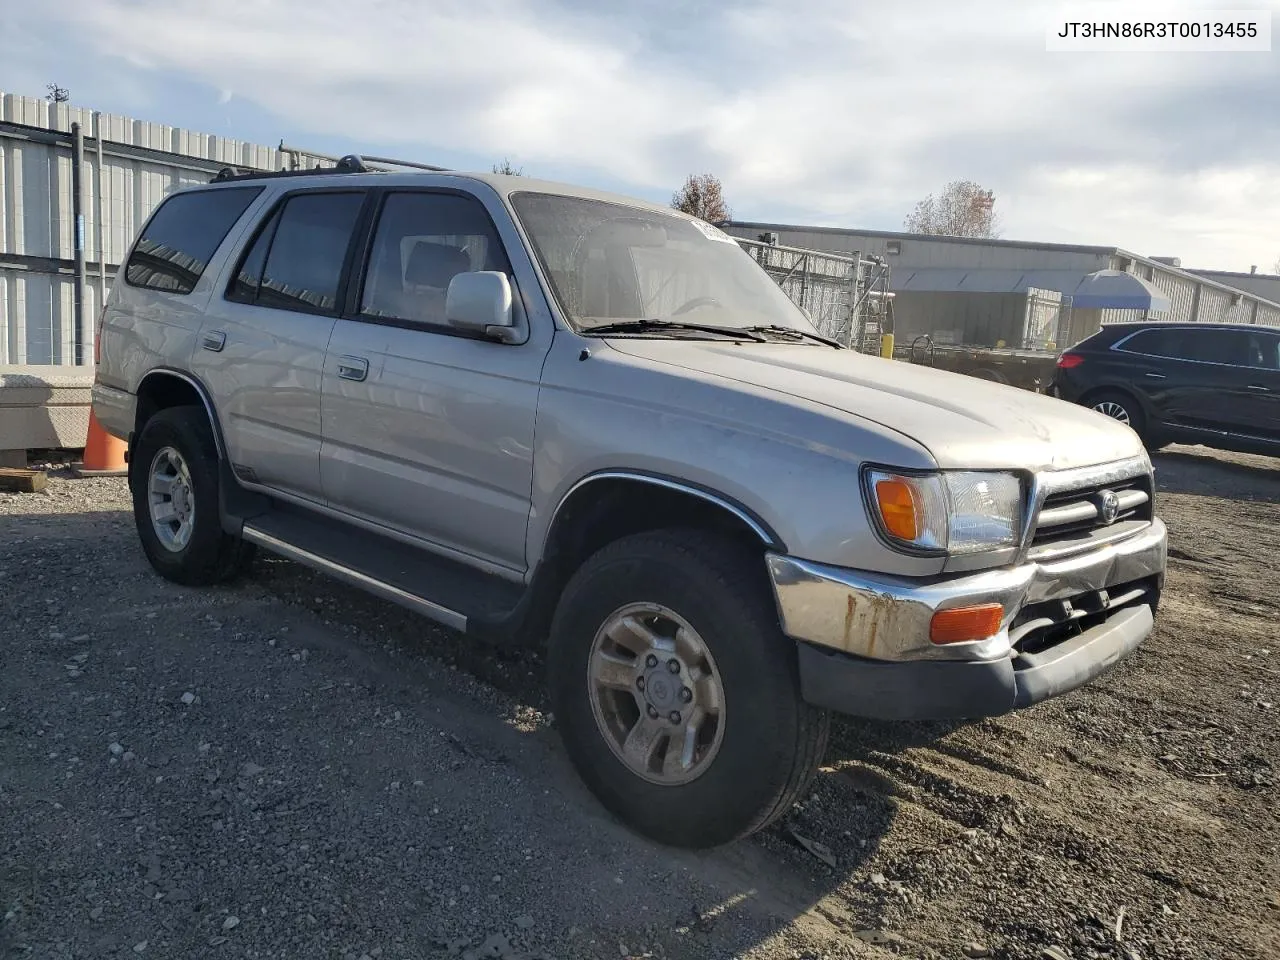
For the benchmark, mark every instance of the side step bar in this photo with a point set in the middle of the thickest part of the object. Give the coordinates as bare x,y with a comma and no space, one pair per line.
443,615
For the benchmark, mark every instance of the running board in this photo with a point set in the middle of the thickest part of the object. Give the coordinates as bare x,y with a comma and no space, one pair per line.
340,571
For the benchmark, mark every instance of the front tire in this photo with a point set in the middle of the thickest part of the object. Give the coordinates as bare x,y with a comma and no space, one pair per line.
676,692
174,480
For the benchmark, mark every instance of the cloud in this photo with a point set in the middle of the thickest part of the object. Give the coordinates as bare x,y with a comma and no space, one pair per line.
224,97
809,110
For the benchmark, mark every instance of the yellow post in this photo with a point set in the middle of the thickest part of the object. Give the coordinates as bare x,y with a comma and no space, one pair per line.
886,345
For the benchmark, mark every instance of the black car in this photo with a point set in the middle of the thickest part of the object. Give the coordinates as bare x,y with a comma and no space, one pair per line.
1214,384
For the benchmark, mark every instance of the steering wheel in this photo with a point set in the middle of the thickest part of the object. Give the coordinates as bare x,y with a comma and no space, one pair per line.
694,304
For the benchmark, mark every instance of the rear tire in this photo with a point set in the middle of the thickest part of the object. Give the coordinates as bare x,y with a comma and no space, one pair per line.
1121,407
174,479
706,603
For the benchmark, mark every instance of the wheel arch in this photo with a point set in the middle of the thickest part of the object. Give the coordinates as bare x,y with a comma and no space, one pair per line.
1088,398
164,387
641,501
610,504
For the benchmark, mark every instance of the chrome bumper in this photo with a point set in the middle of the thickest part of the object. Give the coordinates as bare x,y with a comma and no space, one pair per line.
887,618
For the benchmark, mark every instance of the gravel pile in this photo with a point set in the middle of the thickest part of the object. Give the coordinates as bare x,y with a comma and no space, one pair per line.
287,768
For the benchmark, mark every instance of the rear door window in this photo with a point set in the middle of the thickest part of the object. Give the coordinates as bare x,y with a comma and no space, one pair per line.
1213,346
296,261
243,287
179,241
1181,343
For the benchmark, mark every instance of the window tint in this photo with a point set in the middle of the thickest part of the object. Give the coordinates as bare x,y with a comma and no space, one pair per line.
1261,350
244,285
423,241
178,242
304,263
1180,343
1154,343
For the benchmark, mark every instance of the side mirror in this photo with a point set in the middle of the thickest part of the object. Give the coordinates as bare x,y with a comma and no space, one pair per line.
480,302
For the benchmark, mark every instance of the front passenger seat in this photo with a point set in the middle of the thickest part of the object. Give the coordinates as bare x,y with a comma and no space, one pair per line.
426,279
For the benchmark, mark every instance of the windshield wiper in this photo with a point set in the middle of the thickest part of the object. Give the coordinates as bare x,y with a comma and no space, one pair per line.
645,326
793,333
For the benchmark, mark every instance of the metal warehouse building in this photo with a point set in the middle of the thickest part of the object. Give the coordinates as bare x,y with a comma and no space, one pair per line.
984,292
128,167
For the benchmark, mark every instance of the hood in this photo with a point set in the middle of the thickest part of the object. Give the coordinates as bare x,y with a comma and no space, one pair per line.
963,422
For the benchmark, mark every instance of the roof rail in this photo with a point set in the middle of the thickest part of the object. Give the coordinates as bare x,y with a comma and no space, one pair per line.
351,163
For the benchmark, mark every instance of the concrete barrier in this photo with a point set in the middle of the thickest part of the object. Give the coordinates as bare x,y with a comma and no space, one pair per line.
42,408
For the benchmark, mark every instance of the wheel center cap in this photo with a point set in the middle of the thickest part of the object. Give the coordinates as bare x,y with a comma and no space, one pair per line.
661,690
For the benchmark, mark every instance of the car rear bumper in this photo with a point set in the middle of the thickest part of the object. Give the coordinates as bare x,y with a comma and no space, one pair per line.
864,646
115,409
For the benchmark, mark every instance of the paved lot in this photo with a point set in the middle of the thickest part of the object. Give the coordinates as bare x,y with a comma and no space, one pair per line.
287,768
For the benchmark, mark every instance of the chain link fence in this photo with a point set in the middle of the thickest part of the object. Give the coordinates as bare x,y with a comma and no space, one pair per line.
846,297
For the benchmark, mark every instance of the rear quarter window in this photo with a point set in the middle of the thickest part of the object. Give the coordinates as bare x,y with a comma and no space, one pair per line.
180,239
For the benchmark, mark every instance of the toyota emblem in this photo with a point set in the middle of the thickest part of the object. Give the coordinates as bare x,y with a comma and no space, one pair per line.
1109,507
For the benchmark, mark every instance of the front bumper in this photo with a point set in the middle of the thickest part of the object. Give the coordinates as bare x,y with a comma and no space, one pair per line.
864,639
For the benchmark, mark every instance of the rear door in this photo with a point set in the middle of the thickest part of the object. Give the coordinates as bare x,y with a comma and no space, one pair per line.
262,347
1148,363
1205,388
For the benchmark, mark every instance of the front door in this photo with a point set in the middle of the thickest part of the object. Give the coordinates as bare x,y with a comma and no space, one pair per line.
262,345
428,432
1257,384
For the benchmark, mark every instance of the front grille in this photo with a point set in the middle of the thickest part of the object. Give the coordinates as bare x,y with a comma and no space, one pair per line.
1079,514
1039,626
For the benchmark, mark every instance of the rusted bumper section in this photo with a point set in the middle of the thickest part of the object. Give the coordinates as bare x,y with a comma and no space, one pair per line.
864,643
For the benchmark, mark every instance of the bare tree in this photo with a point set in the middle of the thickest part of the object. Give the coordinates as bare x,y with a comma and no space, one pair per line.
506,168
57,94
1276,267
702,197
963,209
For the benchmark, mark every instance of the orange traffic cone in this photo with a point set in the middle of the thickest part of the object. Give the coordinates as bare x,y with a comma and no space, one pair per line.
104,455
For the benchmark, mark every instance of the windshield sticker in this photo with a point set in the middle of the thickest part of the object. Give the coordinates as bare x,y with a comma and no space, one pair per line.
712,233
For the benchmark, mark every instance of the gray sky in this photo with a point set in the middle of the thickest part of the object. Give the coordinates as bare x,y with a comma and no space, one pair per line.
810,111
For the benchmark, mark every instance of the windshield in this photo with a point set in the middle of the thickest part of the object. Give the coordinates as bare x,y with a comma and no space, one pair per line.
609,262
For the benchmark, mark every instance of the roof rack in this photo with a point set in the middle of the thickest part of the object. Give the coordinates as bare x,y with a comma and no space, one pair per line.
297,153
351,163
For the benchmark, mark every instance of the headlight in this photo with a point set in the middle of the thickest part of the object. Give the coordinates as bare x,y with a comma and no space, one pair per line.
947,512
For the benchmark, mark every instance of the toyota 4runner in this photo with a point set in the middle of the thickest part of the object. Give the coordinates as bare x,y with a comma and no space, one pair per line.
542,413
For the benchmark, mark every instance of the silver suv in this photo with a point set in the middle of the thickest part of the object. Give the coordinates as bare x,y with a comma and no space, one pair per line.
537,413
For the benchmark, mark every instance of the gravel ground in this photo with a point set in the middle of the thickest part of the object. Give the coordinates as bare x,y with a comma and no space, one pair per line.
288,768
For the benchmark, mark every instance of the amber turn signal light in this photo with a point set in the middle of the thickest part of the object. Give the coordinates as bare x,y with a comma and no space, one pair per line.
962,624
897,502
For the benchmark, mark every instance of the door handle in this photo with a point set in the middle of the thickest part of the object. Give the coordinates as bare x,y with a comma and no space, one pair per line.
214,340
1257,388
1155,376
353,368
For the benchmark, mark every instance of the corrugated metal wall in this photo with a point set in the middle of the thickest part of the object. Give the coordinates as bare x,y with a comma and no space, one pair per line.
1214,303
1268,316
1180,291
1263,284
143,163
